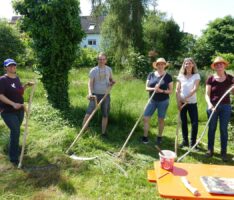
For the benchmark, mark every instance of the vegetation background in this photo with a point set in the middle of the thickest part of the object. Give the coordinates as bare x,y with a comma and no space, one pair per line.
49,173
133,37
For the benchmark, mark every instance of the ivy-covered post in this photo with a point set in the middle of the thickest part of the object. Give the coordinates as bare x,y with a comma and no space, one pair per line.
55,28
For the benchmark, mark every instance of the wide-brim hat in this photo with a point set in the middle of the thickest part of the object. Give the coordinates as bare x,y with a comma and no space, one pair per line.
159,60
219,59
8,62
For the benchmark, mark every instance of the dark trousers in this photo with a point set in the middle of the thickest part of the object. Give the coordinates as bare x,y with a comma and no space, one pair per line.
223,113
14,120
191,109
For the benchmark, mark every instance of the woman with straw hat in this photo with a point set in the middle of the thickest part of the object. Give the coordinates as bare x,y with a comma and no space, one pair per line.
160,82
216,86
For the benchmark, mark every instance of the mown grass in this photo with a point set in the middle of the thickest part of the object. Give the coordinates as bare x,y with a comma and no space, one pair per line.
51,133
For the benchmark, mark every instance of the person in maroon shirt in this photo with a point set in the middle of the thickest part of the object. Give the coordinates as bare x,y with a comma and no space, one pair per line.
216,86
12,106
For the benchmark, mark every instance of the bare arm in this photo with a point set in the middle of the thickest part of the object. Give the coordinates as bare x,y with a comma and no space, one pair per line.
5,100
233,85
207,97
90,86
112,81
28,84
170,89
178,97
148,88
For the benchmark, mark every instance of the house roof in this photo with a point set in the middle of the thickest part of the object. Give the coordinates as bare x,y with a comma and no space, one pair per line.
90,24
14,19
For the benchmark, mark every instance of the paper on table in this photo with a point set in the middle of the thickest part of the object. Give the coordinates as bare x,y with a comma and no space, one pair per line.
186,183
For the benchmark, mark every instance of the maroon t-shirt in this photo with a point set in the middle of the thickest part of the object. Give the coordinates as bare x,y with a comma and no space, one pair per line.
13,90
219,88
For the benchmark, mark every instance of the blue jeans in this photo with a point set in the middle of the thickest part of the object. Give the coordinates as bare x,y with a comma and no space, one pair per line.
14,120
223,113
193,114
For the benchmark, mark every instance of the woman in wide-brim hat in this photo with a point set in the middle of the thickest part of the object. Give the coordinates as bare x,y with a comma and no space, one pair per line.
160,100
216,85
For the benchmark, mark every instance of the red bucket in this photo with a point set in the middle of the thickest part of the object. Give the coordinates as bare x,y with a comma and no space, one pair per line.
167,160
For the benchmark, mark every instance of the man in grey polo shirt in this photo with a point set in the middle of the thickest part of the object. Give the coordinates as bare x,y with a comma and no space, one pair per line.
100,78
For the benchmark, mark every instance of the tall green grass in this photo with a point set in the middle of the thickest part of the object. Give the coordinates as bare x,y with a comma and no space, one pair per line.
51,132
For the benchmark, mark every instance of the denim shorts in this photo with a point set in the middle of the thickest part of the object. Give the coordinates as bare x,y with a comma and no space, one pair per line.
105,106
160,105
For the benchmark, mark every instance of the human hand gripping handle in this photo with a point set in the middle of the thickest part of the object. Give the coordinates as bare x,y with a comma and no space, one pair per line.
17,106
28,84
112,82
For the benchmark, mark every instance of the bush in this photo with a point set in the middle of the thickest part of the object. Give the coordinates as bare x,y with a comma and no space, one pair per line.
87,57
138,65
11,45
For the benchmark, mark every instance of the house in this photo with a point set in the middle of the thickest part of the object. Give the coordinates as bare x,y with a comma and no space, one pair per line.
91,26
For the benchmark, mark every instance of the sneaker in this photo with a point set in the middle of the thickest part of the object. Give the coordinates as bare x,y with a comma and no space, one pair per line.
158,140
184,144
104,135
224,157
196,149
209,154
15,162
145,140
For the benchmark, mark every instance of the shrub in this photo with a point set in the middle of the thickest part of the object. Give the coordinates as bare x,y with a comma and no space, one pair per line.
86,58
11,45
138,65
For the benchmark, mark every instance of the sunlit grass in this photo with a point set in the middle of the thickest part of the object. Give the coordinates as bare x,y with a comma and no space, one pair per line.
51,132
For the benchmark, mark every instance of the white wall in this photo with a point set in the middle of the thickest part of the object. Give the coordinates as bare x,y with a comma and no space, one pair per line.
96,37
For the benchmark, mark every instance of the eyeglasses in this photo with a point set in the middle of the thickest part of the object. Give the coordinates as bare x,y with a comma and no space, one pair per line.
101,59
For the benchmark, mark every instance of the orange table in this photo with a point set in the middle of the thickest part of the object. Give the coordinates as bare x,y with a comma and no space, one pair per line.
171,186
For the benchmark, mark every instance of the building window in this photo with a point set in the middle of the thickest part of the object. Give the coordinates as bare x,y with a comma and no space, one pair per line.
91,42
91,26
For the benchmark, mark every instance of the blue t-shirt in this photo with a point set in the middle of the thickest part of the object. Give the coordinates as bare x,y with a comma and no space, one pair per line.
13,90
164,85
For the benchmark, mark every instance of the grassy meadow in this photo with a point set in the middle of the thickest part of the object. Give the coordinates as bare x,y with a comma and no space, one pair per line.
49,173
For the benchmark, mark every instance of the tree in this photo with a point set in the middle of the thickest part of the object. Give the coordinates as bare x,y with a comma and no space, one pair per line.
123,26
218,37
10,43
55,29
162,35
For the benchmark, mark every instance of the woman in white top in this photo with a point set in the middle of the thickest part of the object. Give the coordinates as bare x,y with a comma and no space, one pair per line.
186,87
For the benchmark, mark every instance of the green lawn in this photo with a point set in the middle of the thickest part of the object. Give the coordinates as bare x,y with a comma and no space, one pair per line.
51,133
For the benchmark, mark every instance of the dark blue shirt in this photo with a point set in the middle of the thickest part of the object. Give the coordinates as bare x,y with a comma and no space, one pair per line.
13,90
164,85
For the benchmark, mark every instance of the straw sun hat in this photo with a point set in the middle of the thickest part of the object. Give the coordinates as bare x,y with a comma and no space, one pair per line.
219,59
159,60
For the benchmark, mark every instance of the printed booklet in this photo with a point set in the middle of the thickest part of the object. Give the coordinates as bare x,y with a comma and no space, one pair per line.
218,185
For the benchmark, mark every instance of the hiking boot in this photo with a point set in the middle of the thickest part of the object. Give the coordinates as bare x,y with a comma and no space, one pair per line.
184,144
158,140
145,140
209,154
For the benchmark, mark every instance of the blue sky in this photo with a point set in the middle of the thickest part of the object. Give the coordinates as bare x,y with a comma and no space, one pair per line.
191,15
